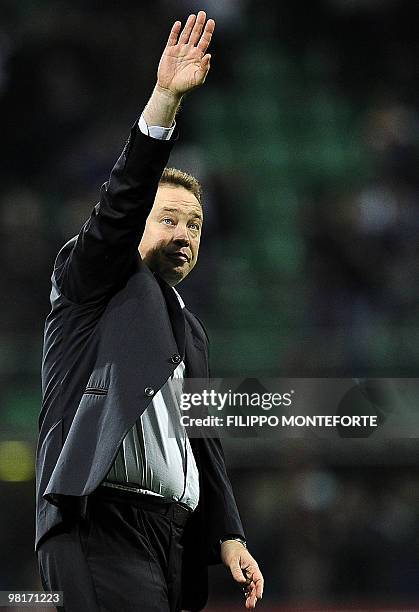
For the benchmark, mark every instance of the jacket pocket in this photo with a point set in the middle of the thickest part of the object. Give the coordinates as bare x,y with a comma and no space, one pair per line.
95,391
99,381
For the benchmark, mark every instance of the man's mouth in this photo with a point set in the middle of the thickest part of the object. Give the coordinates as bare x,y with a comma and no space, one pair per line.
179,256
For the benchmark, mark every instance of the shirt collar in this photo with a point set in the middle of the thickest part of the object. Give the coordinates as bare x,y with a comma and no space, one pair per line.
181,302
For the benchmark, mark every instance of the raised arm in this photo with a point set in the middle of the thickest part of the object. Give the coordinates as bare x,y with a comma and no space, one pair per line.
101,258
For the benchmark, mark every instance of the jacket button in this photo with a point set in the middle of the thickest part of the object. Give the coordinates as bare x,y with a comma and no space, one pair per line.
176,359
149,391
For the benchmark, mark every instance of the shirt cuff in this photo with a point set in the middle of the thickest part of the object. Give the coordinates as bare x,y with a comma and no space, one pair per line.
156,131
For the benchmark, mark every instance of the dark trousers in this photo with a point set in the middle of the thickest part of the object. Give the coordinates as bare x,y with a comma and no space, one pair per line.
125,557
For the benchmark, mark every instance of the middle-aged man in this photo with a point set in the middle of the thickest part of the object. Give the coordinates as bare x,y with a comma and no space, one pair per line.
129,518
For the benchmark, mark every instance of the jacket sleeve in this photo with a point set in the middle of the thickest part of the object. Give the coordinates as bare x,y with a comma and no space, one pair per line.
100,260
217,502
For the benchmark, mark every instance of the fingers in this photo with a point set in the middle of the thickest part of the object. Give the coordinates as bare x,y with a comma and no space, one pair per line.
254,586
205,63
251,602
194,32
257,581
259,588
174,33
198,27
206,35
184,37
250,593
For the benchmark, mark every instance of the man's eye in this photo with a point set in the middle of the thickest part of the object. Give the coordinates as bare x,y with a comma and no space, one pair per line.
194,226
168,221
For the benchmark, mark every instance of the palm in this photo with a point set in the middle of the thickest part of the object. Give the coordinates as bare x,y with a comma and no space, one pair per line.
184,64
181,68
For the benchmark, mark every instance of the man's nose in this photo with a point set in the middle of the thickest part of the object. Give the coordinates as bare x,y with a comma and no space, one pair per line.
181,235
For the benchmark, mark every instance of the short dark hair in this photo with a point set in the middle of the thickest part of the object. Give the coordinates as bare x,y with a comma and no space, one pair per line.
178,178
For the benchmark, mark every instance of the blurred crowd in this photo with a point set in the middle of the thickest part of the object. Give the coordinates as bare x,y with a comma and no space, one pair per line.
306,139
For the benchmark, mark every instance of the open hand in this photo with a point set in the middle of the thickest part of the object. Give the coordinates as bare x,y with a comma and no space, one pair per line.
185,63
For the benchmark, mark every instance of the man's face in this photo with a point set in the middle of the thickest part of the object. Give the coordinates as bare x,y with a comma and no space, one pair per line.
170,242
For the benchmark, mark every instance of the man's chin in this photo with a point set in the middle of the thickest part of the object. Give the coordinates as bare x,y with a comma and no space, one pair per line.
170,273
173,276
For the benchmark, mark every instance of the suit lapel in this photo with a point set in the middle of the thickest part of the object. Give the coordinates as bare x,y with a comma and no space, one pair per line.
175,314
196,351
191,346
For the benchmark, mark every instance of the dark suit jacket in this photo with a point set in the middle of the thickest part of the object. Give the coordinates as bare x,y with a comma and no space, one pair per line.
112,333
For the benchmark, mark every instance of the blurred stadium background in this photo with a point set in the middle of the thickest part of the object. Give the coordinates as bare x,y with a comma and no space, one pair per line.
306,138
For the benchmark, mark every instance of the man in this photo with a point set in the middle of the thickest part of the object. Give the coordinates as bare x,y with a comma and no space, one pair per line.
128,518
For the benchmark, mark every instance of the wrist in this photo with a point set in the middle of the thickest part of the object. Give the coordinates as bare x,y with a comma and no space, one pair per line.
167,94
162,107
233,538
